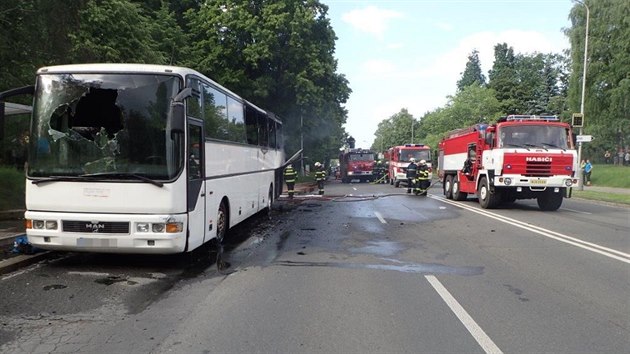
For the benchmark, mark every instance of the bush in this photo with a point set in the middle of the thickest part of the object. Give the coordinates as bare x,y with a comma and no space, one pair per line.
11,189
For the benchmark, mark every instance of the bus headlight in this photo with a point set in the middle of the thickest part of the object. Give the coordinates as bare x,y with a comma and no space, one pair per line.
38,224
158,228
142,227
51,225
350,173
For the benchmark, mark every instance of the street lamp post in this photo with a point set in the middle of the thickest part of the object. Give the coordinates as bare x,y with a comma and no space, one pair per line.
580,176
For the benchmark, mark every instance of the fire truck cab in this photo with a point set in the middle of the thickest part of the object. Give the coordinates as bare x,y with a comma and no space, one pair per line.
519,157
400,157
356,164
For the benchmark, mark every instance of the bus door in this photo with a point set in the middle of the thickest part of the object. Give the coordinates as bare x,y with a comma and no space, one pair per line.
196,194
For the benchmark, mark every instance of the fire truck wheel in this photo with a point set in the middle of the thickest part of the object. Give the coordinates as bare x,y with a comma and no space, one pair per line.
448,187
457,193
486,199
549,201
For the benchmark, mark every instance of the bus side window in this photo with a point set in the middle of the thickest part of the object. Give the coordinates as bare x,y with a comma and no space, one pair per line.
251,125
263,131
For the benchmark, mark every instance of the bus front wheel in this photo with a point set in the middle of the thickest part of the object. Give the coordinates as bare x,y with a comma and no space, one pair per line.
222,222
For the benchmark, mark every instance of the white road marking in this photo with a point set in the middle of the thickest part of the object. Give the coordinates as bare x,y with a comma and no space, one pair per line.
27,270
608,252
355,188
480,336
380,217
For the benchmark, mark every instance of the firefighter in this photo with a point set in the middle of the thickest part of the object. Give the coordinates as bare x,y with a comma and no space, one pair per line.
412,173
320,177
290,175
379,171
422,182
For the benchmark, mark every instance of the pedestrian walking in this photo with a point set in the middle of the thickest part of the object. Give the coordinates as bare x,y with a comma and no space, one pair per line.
290,176
320,177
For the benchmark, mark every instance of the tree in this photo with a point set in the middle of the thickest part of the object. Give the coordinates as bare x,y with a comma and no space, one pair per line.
472,75
607,94
279,54
503,79
115,31
396,130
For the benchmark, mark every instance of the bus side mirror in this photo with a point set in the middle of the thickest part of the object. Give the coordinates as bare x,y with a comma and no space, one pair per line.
178,111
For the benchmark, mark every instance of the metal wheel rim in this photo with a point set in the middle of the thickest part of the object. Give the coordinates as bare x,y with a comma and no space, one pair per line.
483,192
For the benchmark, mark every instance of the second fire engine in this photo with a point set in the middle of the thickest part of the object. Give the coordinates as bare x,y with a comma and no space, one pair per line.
400,156
519,157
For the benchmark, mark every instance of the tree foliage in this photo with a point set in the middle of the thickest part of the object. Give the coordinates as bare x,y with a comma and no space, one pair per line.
278,54
472,74
607,93
396,130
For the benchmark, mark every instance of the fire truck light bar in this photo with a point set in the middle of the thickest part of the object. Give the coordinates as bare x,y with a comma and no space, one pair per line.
521,117
414,145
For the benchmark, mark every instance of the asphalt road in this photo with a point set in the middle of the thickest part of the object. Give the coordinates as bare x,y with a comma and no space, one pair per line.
366,269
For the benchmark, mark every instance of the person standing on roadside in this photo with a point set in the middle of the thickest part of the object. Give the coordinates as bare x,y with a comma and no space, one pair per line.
320,177
626,158
412,173
607,157
588,168
290,175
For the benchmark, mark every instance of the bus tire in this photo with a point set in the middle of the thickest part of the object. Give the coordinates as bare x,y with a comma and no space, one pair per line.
487,200
448,187
549,201
456,192
222,222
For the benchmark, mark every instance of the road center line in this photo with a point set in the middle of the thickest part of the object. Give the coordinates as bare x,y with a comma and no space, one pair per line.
480,336
380,217
608,252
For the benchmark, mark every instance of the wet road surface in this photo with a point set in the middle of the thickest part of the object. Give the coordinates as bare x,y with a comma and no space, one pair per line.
365,269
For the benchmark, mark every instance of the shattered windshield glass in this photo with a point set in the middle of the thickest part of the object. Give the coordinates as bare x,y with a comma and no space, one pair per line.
112,124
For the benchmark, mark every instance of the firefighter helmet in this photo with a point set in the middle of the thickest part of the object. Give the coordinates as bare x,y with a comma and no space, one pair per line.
317,164
413,159
423,162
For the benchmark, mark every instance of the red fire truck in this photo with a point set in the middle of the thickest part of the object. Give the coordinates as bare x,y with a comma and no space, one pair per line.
519,157
356,164
399,158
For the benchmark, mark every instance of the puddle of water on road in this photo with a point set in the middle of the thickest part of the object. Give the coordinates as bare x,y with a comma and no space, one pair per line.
380,248
425,268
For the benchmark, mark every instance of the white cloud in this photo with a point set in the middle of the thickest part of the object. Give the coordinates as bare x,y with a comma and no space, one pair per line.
371,19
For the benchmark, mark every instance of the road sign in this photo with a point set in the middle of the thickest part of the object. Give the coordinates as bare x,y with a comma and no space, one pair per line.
577,120
583,138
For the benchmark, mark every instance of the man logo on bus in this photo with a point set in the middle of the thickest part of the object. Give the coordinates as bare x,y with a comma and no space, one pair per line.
94,226
538,159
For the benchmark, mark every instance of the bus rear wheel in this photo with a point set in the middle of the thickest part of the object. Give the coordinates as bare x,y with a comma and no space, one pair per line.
222,222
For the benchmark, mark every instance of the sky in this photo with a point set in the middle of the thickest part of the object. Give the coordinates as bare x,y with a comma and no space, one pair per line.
410,53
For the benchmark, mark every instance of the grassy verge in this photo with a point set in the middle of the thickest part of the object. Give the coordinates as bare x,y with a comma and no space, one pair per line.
611,176
601,196
11,189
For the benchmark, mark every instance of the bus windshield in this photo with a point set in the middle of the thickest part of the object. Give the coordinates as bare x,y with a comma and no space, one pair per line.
528,136
110,125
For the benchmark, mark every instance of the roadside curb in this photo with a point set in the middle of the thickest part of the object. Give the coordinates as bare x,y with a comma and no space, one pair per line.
14,263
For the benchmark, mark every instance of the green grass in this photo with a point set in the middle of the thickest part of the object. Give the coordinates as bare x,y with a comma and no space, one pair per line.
11,189
611,176
601,196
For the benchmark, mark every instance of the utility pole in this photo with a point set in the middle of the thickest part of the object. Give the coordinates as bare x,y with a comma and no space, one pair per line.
580,174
